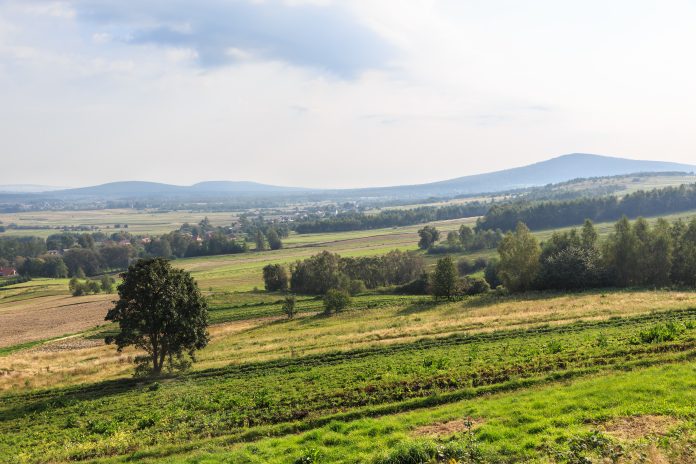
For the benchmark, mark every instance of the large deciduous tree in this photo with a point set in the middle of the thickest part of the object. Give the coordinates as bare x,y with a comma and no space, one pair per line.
160,310
519,259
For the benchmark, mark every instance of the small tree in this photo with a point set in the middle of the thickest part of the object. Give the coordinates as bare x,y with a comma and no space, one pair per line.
76,287
466,235
160,310
445,279
428,236
107,284
289,306
335,300
93,286
260,240
275,278
274,241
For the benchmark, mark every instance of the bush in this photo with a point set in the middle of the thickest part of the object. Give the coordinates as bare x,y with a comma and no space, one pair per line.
14,280
355,287
275,278
475,286
415,287
289,306
107,284
661,333
491,274
335,300
78,288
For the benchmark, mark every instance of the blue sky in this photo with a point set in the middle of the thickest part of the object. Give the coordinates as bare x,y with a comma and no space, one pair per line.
337,93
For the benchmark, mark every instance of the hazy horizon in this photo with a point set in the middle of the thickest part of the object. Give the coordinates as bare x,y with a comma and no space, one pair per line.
336,94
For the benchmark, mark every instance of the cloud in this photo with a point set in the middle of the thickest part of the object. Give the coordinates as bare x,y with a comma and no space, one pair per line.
315,35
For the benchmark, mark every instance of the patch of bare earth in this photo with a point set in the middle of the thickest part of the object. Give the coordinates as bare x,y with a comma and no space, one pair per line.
67,344
637,427
445,429
51,317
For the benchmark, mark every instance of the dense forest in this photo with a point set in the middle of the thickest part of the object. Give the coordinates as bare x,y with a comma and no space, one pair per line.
633,255
552,214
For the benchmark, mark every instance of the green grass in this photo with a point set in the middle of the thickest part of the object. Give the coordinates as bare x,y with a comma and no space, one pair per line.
537,370
517,426
239,402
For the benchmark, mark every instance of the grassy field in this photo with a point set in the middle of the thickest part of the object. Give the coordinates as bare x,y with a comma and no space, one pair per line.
139,222
541,377
345,381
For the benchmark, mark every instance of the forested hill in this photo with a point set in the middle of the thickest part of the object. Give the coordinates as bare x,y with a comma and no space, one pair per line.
551,214
552,171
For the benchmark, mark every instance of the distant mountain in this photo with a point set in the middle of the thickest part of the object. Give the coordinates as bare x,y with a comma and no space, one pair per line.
141,189
555,170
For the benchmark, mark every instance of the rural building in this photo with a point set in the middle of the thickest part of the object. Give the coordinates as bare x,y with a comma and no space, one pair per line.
7,271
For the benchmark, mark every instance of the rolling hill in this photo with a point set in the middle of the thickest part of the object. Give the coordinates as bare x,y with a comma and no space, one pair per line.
555,170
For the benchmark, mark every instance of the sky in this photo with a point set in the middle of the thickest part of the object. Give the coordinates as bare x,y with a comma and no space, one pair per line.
332,94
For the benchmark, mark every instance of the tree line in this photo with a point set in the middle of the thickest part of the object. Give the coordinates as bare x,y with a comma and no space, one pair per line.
325,271
553,214
464,239
389,218
634,255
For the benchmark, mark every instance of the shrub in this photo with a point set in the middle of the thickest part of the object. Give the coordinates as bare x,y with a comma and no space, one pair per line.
107,284
289,306
661,333
336,300
491,274
418,286
356,287
476,286
275,278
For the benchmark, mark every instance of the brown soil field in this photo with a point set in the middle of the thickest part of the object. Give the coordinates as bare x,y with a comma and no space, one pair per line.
49,317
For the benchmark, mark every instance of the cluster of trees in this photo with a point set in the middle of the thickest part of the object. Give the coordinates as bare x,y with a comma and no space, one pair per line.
325,271
552,214
252,225
389,218
268,240
78,287
180,244
634,254
445,283
65,254
465,239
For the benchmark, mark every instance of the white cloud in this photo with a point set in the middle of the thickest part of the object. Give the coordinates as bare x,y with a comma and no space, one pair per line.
473,87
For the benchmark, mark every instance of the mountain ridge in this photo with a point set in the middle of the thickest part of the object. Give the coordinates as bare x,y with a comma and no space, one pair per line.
554,170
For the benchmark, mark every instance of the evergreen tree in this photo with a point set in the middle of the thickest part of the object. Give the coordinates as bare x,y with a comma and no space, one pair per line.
445,279
260,241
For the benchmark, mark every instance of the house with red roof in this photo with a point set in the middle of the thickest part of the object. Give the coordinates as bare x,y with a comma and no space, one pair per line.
7,271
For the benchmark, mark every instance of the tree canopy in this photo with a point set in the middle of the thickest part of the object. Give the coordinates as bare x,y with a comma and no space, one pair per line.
160,310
